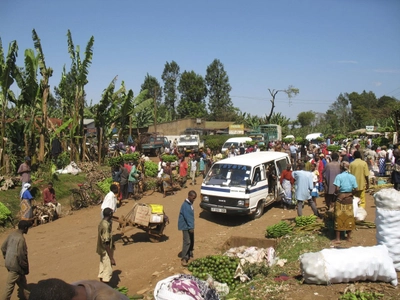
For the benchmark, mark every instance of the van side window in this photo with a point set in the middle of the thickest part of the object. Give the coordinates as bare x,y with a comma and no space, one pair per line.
281,164
257,175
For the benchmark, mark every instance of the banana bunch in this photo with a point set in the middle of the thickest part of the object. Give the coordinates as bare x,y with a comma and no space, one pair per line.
280,229
305,220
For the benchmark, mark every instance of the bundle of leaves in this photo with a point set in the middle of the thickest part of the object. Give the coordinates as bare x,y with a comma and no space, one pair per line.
169,158
151,168
115,161
134,157
278,230
5,213
333,148
105,185
251,143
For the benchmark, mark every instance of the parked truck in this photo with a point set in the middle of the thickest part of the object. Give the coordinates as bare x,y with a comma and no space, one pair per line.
154,143
189,142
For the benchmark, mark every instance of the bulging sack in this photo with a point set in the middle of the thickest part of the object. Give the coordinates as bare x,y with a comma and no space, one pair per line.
387,220
348,265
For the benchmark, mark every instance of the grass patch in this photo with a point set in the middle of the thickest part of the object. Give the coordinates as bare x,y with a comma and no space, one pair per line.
62,184
290,247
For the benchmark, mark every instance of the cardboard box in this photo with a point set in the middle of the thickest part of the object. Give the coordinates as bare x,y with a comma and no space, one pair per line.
142,216
156,218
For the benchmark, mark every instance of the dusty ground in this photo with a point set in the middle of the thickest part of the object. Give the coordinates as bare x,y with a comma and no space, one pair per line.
66,248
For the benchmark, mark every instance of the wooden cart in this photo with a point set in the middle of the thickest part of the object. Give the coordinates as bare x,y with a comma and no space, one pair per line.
140,216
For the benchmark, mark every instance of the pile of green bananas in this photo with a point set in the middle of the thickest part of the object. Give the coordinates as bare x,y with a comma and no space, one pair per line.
305,220
280,229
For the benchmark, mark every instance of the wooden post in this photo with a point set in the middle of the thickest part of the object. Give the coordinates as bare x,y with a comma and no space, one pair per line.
155,109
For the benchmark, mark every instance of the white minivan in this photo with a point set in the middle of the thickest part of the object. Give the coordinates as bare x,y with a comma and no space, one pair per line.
236,141
239,185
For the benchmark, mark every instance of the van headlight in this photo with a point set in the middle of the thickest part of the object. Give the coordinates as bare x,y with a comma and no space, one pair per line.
205,199
240,202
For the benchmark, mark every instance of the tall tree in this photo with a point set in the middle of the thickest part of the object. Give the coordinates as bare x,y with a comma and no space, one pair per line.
46,73
306,118
170,76
290,92
7,69
363,108
340,113
193,93
154,91
79,73
220,105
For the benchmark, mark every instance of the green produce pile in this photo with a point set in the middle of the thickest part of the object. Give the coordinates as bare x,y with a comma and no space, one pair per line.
105,185
305,220
278,230
5,213
358,295
150,168
220,268
169,158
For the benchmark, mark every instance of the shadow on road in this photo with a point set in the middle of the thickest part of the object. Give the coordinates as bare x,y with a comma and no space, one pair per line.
229,220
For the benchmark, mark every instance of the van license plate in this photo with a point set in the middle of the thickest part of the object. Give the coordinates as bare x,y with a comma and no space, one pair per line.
220,210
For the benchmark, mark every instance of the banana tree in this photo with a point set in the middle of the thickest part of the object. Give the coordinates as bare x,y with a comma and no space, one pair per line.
7,69
44,91
79,75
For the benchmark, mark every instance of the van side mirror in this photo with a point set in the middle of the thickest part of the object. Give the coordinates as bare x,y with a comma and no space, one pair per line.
248,182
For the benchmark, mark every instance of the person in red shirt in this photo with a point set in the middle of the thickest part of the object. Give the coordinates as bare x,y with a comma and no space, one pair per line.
49,195
287,182
183,167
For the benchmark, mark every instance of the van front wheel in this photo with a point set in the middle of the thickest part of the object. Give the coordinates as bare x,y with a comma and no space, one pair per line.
259,211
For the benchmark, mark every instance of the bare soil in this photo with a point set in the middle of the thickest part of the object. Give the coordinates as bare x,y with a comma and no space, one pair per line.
66,248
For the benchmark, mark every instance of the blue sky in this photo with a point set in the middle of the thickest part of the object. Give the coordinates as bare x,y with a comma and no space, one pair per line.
322,47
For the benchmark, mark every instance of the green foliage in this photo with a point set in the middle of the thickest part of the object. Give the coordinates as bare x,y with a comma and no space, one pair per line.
5,214
380,141
151,168
252,270
251,143
358,295
221,268
169,158
305,220
193,93
63,160
150,184
220,104
215,142
115,161
287,140
305,118
134,157
278,230
333,148
170,76
105,185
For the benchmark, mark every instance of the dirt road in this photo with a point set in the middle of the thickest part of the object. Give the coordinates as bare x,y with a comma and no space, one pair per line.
66,248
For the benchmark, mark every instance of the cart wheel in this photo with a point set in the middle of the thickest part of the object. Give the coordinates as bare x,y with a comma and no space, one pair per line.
154,238
76,201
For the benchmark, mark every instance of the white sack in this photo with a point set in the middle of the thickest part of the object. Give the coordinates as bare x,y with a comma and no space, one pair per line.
361,214
356,200
387,220
348,265
162,292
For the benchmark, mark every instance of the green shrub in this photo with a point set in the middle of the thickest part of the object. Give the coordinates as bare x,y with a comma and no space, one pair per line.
215,142
5,214
380,141
114,161
151,169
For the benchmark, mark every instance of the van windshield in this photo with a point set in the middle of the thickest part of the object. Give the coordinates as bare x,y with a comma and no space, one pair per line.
230,144
228,175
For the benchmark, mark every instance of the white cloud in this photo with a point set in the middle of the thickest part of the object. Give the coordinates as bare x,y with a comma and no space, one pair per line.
387,71
377,83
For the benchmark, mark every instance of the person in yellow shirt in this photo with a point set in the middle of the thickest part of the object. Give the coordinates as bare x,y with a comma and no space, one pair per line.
359,169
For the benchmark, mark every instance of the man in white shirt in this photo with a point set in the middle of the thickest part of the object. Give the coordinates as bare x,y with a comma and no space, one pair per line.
110,200
193,170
